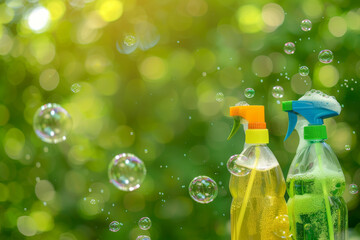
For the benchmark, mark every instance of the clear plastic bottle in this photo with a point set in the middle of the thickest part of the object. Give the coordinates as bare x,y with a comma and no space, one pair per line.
315,184
258,209
257,184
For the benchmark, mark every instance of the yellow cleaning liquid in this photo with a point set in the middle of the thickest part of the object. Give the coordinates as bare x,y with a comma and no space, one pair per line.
259,212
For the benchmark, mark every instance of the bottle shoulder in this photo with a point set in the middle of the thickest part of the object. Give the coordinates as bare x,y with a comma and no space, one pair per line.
316,159
258,157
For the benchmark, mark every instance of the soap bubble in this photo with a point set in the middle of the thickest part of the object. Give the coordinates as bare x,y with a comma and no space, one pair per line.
326,56
75,88
281,226
303,71
249,92
353,189
347,147
219,97
307,227
126,172
203,189
278,92
144,223
52,123
235,165
143,237
147,34
289,48
306,25
114,226
127,44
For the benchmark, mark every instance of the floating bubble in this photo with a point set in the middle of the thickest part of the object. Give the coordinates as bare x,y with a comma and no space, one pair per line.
278,92
326,56
289,48
235,165
143,237
144,223
147,34
353,189
114,226
203,189
303,71
52,123
127,44
219,97
281,226
249,92
126,172
306,25
75,88
347,147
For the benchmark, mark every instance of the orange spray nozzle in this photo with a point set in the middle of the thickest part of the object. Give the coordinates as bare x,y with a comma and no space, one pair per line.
255,115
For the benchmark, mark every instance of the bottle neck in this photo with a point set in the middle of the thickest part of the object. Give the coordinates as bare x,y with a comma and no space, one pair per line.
315,133
257,136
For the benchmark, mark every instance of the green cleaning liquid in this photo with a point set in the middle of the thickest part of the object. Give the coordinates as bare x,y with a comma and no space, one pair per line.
315,184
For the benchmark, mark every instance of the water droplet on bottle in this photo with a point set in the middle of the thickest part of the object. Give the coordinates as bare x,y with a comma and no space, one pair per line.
326,56
114,226
219,97
303,71
52,123
143,237
353,188
347,147
306,25
126,172
203,189
236,163
289,48
278,92
144,223
249,92
281,226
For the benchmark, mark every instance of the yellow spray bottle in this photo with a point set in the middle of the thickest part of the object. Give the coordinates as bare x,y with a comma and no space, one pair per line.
257,184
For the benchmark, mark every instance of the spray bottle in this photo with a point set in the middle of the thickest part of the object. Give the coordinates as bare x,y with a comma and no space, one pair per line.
315,182
257,185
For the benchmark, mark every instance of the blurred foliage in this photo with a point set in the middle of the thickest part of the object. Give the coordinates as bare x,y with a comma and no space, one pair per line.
149,79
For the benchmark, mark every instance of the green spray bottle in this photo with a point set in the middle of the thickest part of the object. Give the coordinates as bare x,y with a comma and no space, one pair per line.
315,182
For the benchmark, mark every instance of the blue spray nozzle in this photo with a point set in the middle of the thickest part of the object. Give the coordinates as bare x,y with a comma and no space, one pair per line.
313,112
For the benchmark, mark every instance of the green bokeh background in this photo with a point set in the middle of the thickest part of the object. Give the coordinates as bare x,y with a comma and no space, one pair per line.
160,104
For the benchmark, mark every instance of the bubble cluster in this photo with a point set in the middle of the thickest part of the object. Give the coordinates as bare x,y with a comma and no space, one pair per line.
203,189
52,123
278,92
144,223
326,56
281,226
126,172
143,237
114,226
353,188
219,97
303,71
306,25
289,48
249,92
235,165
